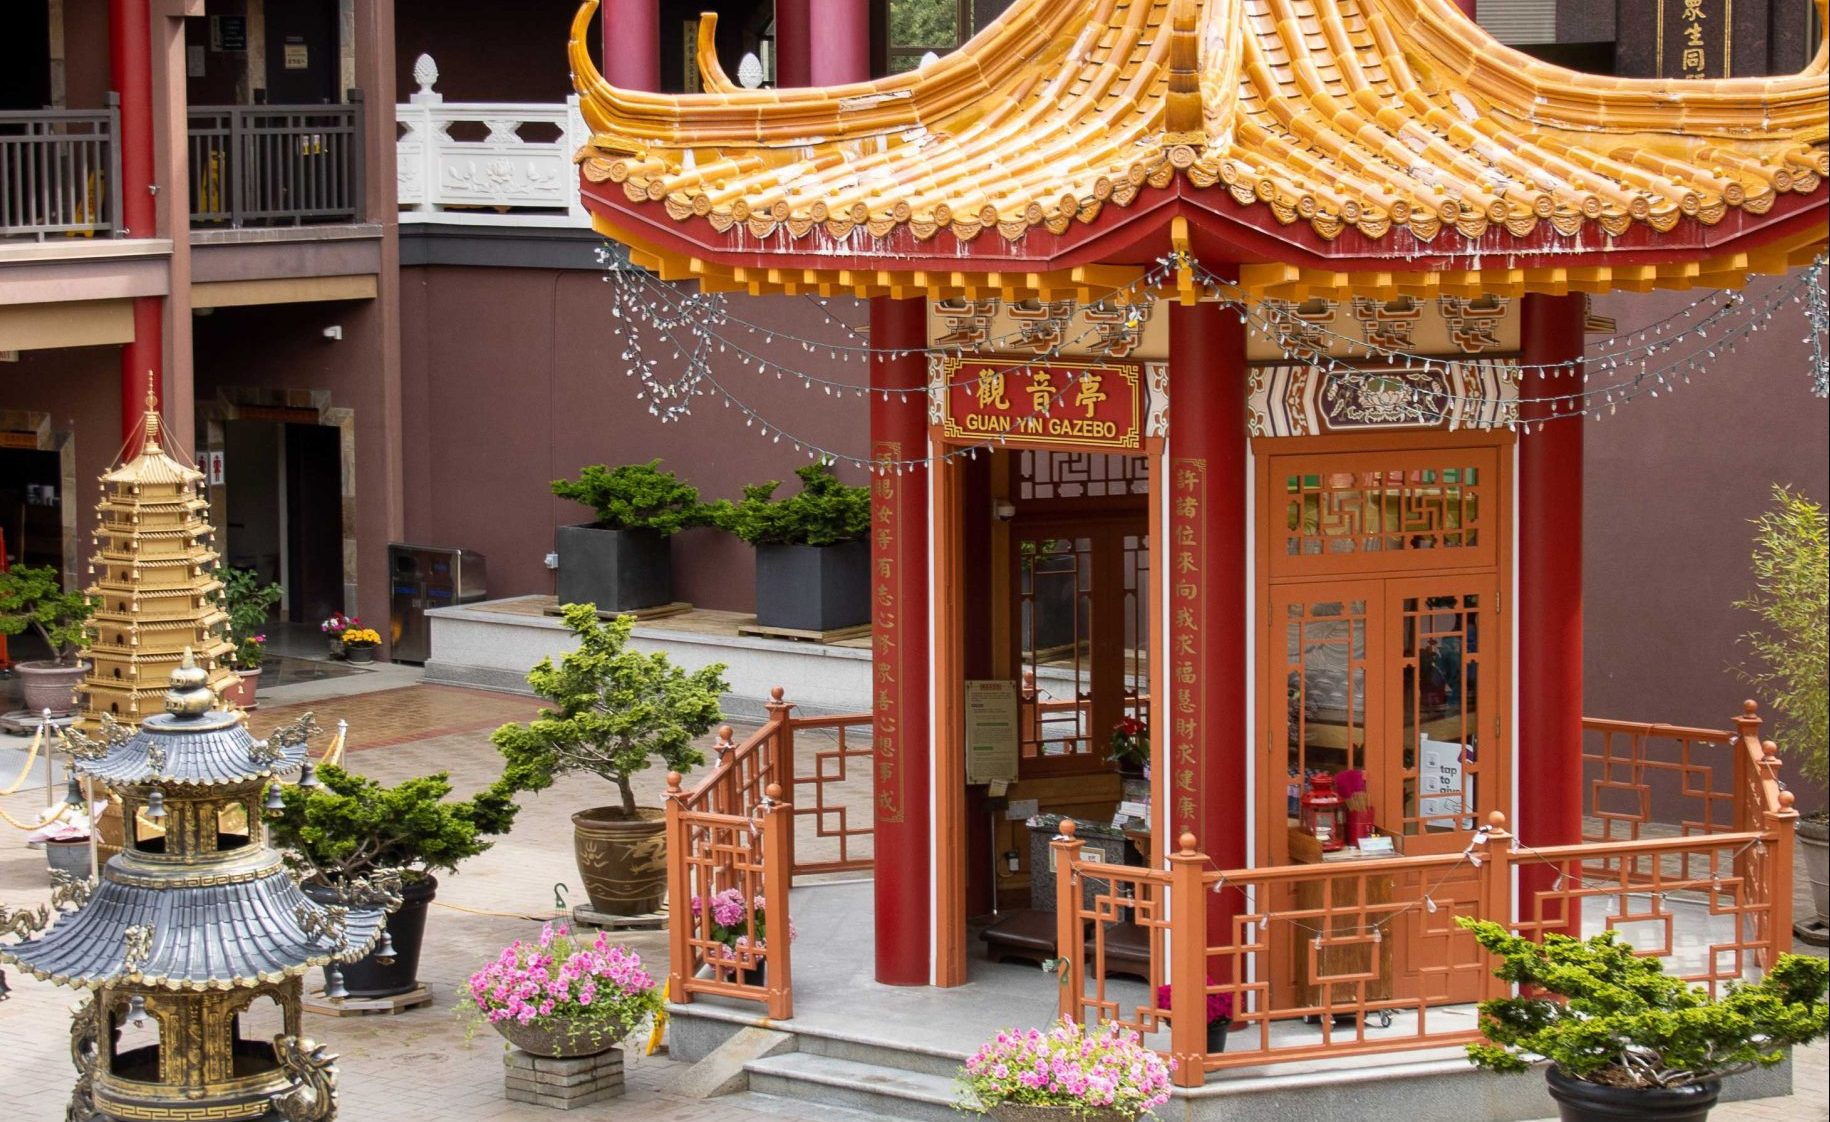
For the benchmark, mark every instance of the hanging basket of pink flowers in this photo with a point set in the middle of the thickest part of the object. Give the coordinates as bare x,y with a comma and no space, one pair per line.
1065,1074
563,997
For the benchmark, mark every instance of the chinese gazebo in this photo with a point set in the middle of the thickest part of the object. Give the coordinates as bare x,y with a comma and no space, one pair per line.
1342,539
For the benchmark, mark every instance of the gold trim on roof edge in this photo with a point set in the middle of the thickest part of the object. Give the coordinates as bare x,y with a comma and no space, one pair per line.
1369,114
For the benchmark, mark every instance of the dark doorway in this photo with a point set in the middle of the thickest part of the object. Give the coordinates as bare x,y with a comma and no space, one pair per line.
285,511
302,59
25,56
314,523
31,507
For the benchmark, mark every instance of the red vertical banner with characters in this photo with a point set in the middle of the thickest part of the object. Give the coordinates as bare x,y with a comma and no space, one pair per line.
901,746
1187,669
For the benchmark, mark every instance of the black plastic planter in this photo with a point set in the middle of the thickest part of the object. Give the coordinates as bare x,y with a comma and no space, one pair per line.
617,570
406,927
1578,1101
813,587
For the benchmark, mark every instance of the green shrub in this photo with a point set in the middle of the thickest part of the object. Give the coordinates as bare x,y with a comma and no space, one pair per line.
34,596
635,497
824,512
248,604
350,826
1626,1023
1792,598
615,711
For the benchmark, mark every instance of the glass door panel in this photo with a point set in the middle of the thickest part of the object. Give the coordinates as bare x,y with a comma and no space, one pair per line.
1055,643
1325,638
1444,714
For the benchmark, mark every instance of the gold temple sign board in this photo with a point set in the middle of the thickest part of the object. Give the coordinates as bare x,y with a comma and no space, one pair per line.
1030,403
991,731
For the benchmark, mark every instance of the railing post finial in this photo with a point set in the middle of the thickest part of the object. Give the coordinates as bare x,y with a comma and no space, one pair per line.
425,72
673,785
1186,843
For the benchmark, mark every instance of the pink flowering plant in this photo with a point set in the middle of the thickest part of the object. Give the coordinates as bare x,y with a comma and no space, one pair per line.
562,983
1104,1068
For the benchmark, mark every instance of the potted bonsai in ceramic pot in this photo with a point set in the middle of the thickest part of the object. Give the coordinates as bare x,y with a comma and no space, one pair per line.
615,712
560,996
350,827
248,603
1625,1040
812,550
1102,1073
1792,600
624,560
34,597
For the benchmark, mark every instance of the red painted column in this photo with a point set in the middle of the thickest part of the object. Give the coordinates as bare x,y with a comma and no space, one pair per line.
1205,559
838,41
130,73
632,43
1549,618
793,43
901,743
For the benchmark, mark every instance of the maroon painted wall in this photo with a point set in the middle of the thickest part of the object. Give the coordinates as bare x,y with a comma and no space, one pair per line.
283,346
513,378
80,388
1671,485
487,51
86,75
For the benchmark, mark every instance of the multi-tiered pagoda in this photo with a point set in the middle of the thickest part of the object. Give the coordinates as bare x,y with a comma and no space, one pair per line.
155,574
194,926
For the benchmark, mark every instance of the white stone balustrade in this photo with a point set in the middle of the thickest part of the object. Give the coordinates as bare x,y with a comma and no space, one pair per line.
501,178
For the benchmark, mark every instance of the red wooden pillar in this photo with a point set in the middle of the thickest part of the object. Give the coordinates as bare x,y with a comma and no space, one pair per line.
838,41
1205,561
793,43
1549,620
130,73
632,43
901,744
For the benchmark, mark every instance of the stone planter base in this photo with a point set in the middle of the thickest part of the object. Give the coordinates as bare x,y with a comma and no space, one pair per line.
563,1084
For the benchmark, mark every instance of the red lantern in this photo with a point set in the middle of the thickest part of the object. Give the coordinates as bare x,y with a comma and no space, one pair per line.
1324,814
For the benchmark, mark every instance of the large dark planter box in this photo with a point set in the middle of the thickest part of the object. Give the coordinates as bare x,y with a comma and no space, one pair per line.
813,587
618,570
406,927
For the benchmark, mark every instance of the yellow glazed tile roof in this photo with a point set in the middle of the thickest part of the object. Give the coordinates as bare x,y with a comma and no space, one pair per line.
1392,134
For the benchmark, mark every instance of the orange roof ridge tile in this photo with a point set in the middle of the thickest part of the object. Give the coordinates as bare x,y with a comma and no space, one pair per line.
1373,116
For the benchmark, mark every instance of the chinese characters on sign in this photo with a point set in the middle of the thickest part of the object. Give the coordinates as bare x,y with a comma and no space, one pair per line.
886,636
1035,403
1187,560
1693,38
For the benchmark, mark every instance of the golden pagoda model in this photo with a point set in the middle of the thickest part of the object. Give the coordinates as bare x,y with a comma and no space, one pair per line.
193,926
155,574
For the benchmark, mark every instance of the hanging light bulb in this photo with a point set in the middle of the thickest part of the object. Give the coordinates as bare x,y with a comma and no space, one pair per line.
155,804
384,954
274,804
333,983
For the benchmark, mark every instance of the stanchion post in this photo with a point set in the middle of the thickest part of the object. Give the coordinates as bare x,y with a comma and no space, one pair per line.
1069,946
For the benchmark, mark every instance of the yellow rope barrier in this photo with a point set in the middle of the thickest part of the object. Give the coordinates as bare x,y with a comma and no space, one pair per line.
30,826
30,758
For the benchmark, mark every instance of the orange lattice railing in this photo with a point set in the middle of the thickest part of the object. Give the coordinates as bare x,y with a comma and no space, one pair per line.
733,835
1365,956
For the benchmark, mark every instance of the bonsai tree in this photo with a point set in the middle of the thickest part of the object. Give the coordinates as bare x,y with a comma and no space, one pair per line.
34,596
824,512
615,711
248,604
635,497
351,825
1792,600
1625,1023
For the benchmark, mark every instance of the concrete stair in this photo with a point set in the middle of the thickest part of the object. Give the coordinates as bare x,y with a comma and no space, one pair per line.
869,1089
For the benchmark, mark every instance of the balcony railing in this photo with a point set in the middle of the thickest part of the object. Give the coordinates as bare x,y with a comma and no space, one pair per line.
60,172
487,162
1365,956
276,165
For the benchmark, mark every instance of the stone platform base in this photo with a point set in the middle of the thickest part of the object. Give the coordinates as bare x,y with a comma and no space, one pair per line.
586,916
563,1084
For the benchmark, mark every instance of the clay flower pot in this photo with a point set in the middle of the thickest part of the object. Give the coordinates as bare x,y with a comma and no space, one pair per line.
49,685
622,861
561,1040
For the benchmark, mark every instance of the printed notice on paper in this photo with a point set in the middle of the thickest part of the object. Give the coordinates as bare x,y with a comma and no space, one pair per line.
991,731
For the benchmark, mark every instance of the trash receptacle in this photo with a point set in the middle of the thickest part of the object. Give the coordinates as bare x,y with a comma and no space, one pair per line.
423,577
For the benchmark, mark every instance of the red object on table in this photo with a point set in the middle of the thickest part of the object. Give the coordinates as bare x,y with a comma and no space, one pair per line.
1324,814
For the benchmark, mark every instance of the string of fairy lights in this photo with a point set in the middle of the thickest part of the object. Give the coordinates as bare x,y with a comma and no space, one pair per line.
683,345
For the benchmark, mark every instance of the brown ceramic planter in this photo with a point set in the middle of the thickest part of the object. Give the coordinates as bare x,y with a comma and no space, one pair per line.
242,692
622,861
47,685
559,1040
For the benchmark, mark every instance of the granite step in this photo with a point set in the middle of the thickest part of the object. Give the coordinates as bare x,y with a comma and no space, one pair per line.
866,1088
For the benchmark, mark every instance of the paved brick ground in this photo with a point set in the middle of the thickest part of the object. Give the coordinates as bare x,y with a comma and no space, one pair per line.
418,1066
